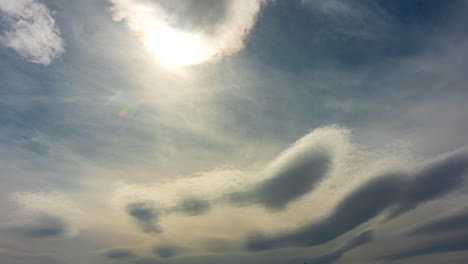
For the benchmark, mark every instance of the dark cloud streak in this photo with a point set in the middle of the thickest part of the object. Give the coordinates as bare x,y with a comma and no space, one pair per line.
146,216
168,251
193,207
357,208
434,247
45,226
451,223
435,180
357,241
288,184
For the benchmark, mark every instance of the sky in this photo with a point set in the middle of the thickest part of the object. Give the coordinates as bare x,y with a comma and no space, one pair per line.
233,131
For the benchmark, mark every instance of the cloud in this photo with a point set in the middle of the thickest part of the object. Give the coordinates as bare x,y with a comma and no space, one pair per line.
146,216
355,242
168,251
44,226
47,226
145,261
435,179
438,246
120,254
217,245
201,30
438,178
349,17
38,259
451,223
193,207
31,31
292,175
356,208
44,215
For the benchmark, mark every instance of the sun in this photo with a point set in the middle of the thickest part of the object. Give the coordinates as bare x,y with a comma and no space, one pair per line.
172,47
175,47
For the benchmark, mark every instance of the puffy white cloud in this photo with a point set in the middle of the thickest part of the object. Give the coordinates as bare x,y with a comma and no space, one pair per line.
31,31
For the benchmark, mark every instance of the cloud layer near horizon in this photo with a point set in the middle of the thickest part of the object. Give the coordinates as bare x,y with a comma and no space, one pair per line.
159,210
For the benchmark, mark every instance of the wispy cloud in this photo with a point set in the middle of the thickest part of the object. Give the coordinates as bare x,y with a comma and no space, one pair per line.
31,31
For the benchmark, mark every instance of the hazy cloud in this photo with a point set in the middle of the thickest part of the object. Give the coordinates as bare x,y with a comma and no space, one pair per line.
31,31
198,15
48,227
355,242
146,215
193,207
45,226
450,223
120,254
168,251
438,246
207,158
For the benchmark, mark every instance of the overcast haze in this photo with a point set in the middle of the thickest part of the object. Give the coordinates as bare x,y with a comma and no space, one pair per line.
233,131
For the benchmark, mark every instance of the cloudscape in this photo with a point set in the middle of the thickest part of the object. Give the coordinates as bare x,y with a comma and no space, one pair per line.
233,131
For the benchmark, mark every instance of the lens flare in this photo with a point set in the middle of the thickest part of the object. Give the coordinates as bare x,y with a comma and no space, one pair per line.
125,112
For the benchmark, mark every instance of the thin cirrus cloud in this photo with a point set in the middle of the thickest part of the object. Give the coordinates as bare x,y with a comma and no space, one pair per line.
188,32
433,181
31,31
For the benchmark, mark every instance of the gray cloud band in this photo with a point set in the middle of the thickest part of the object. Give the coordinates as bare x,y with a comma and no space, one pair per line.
433,181
353,243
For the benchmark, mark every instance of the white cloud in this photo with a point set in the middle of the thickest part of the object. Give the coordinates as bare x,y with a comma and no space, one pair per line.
31,31
189,32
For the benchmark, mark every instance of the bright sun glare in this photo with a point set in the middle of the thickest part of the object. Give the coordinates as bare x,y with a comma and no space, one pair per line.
171,46
174,47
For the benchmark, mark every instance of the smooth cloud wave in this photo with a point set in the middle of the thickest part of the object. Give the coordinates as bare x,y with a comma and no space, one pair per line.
405,191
